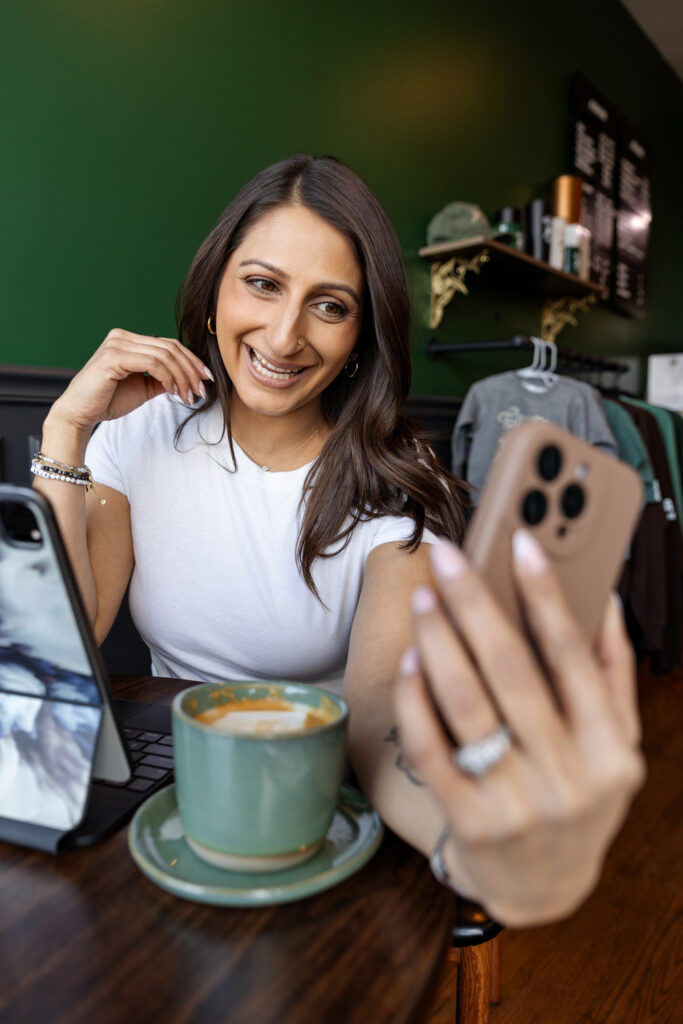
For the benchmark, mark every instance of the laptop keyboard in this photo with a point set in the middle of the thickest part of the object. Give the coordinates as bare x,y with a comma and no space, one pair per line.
152,757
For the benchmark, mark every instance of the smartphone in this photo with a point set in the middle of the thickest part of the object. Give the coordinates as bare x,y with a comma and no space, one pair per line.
580,504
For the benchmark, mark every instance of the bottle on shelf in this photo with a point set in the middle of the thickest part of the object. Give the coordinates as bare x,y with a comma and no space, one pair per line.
570,241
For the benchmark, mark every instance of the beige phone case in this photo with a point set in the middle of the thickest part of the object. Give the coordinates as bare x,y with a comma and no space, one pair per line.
592,502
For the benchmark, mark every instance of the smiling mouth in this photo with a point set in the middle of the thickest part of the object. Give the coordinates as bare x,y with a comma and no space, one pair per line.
266,369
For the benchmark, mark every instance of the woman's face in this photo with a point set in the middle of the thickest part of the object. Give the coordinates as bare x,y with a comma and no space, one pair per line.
288,313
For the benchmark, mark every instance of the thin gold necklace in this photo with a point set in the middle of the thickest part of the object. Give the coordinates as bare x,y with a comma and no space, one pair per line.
287,455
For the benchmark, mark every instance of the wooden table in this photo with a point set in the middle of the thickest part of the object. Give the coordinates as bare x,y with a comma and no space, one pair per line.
85,937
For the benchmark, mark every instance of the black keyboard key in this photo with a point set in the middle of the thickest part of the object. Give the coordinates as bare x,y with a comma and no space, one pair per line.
137,755
135,745
140,784
146,771
150,737
159,748
131,733
158,762
167,741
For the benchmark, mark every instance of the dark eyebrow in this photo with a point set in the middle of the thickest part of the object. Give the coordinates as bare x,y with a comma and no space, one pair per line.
322,286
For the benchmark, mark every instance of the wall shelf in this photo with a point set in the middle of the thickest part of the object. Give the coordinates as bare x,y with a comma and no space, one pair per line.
565,294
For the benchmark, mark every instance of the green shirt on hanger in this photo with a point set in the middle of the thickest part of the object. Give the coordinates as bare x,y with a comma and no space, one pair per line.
668,432
631,446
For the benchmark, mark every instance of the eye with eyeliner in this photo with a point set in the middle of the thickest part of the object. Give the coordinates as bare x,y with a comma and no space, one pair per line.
266,286
257,284
340,313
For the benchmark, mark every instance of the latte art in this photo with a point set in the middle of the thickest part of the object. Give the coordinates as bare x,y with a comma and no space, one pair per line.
264,716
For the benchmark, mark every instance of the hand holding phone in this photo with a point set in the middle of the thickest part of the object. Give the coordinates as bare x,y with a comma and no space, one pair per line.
528,821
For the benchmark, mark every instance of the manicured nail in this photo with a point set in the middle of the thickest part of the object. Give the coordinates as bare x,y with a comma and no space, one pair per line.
410,662
423,600
190,397
175,391
202,389
448,560
528,553
207,373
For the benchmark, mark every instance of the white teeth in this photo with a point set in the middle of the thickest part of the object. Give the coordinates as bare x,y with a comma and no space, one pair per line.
267,369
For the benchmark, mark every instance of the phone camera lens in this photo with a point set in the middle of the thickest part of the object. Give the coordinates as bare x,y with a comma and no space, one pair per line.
534,507
573,500
550,462
19,523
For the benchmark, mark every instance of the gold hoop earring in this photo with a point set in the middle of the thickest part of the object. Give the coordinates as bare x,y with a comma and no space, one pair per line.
209,328
351,367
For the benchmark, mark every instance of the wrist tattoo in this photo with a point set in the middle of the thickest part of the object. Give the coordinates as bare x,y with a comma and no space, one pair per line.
402,762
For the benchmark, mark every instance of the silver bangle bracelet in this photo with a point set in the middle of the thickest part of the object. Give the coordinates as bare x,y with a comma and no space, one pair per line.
437,862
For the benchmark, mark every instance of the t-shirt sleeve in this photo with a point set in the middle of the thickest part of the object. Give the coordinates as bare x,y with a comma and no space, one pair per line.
397,529
103,456
594,426
461,440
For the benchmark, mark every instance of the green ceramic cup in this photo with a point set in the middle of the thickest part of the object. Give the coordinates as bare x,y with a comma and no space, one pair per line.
256,801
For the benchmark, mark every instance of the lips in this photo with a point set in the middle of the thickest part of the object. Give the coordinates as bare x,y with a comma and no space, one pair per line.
268,370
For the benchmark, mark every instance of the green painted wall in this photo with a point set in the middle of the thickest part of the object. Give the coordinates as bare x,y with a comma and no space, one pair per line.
127,126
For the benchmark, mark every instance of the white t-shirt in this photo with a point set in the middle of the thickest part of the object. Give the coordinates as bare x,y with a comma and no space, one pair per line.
215,592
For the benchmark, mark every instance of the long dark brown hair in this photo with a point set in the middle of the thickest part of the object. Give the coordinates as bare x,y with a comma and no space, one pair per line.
375,462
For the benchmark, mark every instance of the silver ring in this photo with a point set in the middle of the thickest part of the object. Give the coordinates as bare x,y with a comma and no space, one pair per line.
479,757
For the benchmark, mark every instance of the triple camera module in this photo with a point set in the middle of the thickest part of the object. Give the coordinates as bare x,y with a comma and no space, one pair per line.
535,502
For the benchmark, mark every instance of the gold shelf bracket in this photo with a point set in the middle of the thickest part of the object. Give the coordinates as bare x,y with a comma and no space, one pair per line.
559,313
449,278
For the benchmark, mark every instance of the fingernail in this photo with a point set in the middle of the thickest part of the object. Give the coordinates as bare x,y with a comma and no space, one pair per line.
175,391
202,390
190,397
448,560
410,662
528,553
207,373
423,600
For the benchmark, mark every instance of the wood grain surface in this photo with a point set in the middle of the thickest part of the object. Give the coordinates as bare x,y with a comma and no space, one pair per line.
619,959
85,937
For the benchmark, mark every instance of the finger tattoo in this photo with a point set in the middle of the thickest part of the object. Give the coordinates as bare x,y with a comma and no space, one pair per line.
402,762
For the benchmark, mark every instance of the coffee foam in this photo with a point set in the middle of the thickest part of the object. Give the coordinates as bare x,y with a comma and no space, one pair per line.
265,716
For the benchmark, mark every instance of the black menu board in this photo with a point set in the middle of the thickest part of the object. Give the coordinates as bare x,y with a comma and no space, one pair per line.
594,127
634,216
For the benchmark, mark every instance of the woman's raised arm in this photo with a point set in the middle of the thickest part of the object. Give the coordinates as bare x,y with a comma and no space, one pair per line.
125,371
527,837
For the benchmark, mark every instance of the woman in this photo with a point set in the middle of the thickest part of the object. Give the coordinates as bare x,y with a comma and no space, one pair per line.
279,526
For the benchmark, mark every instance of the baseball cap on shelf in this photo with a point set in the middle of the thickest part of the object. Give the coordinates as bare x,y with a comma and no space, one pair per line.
458,221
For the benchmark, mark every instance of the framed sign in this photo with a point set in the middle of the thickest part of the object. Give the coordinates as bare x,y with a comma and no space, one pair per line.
634,216
614,163
594,128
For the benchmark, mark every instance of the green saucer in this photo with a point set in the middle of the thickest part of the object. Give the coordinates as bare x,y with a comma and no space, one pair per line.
157,844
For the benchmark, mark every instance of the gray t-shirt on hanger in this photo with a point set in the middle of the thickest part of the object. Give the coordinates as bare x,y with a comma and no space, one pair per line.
498,403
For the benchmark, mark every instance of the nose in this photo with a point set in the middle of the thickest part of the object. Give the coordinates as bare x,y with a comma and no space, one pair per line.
285,330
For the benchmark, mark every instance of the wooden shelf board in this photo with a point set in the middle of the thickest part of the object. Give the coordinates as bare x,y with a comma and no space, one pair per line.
508,262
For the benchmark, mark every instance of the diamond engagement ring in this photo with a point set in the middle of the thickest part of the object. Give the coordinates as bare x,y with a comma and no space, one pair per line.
479,757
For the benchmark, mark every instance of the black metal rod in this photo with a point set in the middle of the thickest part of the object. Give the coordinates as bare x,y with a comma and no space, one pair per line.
436,348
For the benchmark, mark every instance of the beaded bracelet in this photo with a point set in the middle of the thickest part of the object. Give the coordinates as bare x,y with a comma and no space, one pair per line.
51,469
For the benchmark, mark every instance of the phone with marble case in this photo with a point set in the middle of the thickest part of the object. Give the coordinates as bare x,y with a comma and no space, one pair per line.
580,504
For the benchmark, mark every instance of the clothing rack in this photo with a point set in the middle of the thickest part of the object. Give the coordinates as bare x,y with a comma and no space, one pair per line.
577,360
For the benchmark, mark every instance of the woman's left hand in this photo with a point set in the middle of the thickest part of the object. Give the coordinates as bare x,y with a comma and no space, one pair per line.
529,836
